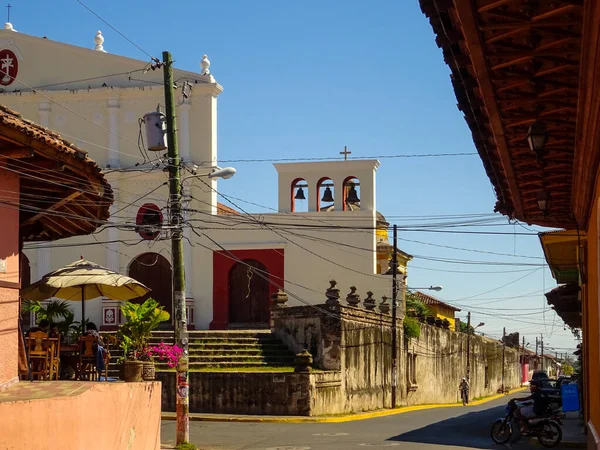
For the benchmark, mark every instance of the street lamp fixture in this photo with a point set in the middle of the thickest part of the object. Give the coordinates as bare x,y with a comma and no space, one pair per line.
225,173
537,137
543,201
217,172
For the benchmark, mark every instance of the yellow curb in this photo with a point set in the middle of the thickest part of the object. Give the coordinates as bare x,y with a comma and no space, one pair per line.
338,419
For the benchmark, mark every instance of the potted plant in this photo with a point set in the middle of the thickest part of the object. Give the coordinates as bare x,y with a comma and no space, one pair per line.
140,320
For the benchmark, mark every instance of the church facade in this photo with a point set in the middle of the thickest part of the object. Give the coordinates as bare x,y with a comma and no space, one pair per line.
326,226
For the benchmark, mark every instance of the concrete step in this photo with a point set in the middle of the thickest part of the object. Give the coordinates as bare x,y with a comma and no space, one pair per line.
223,349
232,365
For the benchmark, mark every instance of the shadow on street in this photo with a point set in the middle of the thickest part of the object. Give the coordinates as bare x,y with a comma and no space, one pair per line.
468,430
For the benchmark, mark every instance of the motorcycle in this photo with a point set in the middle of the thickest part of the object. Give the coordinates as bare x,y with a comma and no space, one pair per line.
546,428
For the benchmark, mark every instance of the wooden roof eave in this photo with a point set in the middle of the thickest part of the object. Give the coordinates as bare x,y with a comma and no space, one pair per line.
473,42
587,155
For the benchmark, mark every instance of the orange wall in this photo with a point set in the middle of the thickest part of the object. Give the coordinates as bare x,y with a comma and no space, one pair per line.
9,277
591,337
108,416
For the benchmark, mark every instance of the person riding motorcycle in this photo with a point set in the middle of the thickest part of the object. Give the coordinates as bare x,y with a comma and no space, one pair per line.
464,389
535,405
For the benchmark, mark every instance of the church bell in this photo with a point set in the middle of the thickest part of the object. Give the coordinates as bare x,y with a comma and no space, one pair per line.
327,197
300,194
352,196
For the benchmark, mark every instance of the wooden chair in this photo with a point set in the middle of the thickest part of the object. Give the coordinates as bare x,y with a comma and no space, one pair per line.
39,355
54,356
86,368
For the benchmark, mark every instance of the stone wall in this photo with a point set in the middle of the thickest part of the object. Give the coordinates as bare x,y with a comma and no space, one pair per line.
441,361
286,394
352,350
357,342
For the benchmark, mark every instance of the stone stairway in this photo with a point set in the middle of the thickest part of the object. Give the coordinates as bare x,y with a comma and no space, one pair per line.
224,349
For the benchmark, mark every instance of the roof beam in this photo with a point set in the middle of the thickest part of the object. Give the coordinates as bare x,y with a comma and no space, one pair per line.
474,44
53,207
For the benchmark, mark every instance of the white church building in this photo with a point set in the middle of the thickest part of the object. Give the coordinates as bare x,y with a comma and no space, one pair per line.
96,100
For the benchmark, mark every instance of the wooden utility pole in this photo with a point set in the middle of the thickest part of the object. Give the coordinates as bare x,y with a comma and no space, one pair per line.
542,347
469,346
394,318
536,346
503,356
181,335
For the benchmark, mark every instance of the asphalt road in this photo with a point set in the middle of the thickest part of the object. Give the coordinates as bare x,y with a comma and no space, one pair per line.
439,428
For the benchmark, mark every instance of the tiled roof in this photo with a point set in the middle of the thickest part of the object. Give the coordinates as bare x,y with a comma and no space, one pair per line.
226,210
14,120
432,301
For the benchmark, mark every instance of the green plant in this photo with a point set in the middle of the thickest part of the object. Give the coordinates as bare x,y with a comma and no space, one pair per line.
140,320
185,446
68,325
412,329
567,369
51,311
418,306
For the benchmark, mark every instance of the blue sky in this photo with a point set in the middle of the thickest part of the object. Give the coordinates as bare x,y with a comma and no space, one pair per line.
303,79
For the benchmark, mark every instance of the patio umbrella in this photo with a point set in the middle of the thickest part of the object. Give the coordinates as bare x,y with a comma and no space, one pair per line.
84,280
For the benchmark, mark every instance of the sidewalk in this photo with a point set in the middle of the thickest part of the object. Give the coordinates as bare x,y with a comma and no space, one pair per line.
202,417
572,429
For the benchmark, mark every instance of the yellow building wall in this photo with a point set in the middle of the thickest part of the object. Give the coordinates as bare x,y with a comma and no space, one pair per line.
444,313
591,322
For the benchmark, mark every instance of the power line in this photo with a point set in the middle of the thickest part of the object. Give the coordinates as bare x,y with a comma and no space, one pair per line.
117,31
425,155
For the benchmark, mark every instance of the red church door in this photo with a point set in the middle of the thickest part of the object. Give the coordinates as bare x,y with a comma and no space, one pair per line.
248,295
154,271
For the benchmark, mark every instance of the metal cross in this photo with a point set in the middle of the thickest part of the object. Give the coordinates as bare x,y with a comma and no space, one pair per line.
346,152
8,9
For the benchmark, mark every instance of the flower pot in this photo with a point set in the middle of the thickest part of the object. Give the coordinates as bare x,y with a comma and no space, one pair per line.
148,371
132,370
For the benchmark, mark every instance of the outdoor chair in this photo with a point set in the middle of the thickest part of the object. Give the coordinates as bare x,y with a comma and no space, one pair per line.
39,354
54,358
86,368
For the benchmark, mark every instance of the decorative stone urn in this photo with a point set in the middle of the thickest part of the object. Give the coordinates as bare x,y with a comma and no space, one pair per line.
279,299
303,361
369,302
384,306
353,298
332,294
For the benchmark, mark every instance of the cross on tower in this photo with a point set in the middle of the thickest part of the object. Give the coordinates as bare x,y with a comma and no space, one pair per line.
8,9
346,152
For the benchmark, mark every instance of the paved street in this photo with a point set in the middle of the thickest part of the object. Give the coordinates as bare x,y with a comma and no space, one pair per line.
439,428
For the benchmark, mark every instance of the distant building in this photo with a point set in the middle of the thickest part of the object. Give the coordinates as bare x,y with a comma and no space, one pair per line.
326,225
439,309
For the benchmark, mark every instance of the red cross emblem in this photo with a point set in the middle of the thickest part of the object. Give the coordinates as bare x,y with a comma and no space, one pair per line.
9,67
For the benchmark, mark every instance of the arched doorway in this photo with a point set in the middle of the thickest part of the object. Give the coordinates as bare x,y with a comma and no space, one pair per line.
25,282
248,294
154,271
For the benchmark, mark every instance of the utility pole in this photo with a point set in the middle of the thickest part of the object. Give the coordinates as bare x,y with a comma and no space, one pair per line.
394,318
542,347
503,355
536,346
181,335
469,346
522,363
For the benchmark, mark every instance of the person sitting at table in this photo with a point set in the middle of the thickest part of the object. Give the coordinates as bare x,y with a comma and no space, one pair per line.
98,348
54,333
43,325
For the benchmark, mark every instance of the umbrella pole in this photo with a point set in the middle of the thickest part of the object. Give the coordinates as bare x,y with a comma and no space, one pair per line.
83,310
